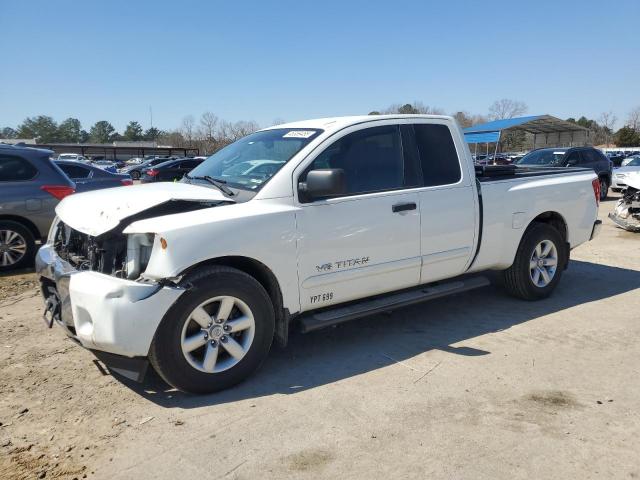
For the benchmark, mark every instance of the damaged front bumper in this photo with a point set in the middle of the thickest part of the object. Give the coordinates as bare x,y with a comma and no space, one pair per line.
629,223
627,213
101,312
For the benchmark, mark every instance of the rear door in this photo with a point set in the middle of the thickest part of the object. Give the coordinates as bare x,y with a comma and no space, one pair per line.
20,192
448,202
367,241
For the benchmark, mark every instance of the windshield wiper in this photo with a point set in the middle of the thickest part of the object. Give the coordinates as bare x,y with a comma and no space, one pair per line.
219,184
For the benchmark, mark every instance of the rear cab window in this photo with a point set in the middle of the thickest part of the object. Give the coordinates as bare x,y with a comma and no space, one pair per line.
437,153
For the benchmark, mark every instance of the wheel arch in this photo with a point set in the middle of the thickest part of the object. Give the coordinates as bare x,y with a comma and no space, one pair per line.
265,277
555,219
25,222
558,222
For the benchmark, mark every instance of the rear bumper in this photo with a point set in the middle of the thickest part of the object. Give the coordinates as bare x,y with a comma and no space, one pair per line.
102,312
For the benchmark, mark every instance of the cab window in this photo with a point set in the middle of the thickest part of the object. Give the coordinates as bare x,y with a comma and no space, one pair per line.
371,159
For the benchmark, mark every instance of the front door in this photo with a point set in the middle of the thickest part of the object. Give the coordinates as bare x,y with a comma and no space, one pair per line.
366,242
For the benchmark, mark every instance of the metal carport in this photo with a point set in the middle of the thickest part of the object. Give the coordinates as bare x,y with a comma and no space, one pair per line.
546,130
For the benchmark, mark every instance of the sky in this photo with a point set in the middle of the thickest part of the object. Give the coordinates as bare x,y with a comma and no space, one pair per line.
292,60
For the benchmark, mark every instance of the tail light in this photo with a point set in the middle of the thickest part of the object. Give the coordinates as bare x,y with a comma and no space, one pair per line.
596,189
152,172
58,191
126,181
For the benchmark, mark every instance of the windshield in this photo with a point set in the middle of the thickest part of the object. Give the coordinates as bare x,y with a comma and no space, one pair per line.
542,157
635,162
251,161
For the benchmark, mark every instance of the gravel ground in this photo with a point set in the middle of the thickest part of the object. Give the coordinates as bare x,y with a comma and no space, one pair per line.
474,386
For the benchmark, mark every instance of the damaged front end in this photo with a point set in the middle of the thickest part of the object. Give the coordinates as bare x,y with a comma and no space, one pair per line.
114,252
627,212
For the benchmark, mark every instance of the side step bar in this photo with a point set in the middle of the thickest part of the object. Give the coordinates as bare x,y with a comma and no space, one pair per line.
339,314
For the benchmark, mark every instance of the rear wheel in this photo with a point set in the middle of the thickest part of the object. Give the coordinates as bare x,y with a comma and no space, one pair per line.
17,246
538,264
135,175
217,333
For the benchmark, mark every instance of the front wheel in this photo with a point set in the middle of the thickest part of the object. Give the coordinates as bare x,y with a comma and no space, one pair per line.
217,333
538,265
135,175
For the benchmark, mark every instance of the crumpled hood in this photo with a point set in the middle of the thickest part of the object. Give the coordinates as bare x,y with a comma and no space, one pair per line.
99,211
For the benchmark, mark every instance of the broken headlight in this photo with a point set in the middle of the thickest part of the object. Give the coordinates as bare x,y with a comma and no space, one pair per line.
139,246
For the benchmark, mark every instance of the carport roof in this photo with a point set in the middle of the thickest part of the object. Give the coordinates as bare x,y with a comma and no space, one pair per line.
531,124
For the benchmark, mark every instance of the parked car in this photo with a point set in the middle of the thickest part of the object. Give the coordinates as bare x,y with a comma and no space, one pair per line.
621,174
106,165
89,177
135,171
626,214
72,156
134,161
169,171
587,157
364,214
31,185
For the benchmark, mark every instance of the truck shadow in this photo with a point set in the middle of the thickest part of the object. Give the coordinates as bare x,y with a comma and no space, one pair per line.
360,346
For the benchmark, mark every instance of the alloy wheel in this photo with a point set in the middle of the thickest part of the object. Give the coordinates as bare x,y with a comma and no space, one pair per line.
543,263
218,334
13,247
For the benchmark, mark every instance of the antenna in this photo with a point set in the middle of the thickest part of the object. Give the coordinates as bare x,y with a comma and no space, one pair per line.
151,116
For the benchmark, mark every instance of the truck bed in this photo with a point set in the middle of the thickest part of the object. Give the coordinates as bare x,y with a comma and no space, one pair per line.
491,173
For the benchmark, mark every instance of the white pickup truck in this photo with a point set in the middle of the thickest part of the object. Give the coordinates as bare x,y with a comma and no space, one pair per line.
313,223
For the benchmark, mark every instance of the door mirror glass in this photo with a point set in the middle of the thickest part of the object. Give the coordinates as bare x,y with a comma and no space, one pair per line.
324,182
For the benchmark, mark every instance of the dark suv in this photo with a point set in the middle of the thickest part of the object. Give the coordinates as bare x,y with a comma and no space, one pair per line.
586,157
31,186
170,171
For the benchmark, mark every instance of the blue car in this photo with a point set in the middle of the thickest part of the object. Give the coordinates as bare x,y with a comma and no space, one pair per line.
90,177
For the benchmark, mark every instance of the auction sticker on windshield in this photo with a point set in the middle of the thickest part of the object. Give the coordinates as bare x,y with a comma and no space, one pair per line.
299,134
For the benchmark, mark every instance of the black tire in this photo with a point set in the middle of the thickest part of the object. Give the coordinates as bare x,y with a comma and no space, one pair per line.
29,241
617,190
517,279
135,175
166,353
604,188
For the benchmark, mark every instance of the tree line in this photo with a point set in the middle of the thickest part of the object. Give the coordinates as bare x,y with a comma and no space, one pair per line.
210,133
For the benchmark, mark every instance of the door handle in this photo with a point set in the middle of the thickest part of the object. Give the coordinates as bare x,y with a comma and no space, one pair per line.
403,207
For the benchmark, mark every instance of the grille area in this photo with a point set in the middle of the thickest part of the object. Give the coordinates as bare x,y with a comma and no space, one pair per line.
105,253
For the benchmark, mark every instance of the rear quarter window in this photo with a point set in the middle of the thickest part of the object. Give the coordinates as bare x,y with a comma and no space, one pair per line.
13,169
438,156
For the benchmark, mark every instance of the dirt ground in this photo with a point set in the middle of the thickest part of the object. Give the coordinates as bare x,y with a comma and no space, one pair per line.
469,387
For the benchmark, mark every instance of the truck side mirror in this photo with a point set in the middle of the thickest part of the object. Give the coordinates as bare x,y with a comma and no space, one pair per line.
324,182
